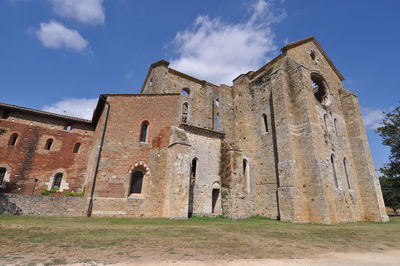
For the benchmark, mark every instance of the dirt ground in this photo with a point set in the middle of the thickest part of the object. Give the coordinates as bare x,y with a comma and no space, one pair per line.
198,241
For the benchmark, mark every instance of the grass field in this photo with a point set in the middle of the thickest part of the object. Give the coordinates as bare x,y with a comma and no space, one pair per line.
60,240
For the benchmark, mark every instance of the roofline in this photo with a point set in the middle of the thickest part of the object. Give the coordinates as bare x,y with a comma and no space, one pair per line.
309,39
100,104
175,72
44,113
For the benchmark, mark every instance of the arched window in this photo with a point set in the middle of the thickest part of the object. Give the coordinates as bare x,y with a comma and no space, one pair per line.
57,181
13,139
265,119
76,147
334,170
68,127
347,173
143,131
185,111
320,89
217,122
185,92
246,176
2,175
136,182
217,102
49,143
214,199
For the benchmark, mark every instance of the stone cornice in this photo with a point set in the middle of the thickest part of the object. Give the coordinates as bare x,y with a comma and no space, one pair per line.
202,131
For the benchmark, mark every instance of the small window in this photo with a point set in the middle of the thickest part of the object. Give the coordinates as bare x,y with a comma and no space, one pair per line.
6,114
57,181
312,55
76,147
334,171
48,145
217,102
185,110
151,82
215,195
2,175
68,127
185,92
265,119
13,139
246,176
136,182
143,131
325,123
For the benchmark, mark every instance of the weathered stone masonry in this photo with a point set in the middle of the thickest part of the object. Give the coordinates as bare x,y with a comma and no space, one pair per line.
286,141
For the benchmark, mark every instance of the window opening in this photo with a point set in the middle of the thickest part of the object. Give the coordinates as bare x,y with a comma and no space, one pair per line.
13,139
151,82
347,174
143,131
49,143
215,195
136,183
334,170
246,176
326,125
2,175
193,169
312,55
57,181
217,102
185,110
68,127
76,147
217,122
185,92
6,114
319,89
265,119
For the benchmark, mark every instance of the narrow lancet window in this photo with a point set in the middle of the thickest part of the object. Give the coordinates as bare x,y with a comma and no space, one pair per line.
185,111
265,120
76,147
2,175
217,122
143,131
346,172
334,171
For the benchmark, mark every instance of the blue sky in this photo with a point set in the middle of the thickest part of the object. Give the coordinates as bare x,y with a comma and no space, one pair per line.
59,55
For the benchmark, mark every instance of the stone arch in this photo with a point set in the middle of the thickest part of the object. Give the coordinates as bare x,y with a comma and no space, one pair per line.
13,139
320,89
138,164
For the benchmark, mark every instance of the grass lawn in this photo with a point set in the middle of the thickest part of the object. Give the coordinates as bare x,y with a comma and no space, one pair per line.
59,240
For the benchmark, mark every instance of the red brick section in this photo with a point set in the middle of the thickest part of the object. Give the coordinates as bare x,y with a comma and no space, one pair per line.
29,160
122,148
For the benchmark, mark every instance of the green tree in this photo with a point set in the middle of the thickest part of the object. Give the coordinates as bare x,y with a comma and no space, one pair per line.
390,181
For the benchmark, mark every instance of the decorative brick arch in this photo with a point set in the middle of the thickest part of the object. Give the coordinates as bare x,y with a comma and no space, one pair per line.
142,164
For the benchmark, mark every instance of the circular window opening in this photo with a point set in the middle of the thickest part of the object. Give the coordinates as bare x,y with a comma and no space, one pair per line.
320,89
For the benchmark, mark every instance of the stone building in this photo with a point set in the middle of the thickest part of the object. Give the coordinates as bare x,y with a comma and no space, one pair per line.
286,141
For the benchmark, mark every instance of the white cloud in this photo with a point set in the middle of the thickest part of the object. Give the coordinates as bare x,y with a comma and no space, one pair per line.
129,74
84,11
219,51
82,108
55,35
372,117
